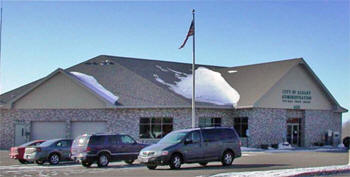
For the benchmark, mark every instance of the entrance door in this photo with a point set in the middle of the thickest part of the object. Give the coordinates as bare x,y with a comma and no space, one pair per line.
293,134
20,134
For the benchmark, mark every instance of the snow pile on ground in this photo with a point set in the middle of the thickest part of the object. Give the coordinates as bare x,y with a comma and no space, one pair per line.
341,145
211,87
91,82
284,145
288,172
287,148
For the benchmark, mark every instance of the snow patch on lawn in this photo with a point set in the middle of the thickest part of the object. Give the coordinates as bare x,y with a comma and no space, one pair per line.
287,172
91,82
211,87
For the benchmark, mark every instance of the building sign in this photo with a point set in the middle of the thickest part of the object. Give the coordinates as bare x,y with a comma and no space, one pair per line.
296,96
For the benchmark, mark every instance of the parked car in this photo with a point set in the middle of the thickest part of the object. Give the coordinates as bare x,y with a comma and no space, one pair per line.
53,151
197,145
346,142
18,152
104,148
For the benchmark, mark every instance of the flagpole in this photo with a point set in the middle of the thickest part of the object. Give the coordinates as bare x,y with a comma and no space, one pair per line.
194,76
0,42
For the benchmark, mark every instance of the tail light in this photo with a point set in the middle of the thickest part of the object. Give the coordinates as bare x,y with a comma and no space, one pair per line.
14,151
38,149
88,149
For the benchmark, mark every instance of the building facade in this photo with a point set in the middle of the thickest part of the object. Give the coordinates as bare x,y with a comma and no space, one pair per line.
279,101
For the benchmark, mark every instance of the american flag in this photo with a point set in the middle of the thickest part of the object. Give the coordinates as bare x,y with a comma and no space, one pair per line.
190,33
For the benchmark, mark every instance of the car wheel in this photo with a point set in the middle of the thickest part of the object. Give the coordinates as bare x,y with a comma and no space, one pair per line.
129,161
175,161
203,164
103,160
39,162
346,142
54,159
227,158
151,167
22,161
86,164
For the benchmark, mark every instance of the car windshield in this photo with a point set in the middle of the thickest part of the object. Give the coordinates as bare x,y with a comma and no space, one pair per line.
173,138
47,143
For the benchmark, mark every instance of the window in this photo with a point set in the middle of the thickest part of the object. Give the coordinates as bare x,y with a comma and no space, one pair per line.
62,144
113,139
227,134
209,122
155,127
241,126
97,140
127,139
211,135
194,137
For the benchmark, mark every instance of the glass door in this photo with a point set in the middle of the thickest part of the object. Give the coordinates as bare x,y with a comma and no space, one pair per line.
293,134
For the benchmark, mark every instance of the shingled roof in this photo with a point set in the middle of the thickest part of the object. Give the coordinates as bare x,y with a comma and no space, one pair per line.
133,80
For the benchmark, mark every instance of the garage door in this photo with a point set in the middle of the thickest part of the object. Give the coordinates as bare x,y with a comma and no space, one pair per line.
79,128
48,130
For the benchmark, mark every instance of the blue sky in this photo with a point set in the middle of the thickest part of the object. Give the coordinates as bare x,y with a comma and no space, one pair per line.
39,37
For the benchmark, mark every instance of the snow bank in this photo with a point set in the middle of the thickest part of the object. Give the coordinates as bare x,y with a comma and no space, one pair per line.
91,82
285,145
211,87
288,172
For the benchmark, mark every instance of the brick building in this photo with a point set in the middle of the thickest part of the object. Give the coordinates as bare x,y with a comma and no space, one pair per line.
278,101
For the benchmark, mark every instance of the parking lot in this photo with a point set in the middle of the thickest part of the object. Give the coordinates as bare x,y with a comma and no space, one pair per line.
251,161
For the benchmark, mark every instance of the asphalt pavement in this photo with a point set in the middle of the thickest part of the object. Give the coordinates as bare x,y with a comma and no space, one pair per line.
250,161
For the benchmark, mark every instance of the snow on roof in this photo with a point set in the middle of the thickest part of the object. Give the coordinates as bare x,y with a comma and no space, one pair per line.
92,83
232,71
161,68
211,87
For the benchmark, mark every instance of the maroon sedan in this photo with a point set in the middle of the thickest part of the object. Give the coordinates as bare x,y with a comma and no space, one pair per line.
18,152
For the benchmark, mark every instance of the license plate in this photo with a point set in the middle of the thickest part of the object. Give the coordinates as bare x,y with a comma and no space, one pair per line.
143,159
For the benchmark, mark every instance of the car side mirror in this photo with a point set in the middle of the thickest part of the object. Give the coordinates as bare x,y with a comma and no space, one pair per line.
187,141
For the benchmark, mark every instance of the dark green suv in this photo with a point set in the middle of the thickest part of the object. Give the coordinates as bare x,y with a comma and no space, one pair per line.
104,148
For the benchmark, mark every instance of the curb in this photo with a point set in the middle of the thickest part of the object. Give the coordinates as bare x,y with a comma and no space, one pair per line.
323,172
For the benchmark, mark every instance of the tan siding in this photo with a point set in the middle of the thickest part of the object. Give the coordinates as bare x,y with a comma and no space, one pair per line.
296,79
59,92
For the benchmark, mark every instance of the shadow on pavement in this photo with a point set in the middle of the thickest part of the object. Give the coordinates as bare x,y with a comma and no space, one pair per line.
218,167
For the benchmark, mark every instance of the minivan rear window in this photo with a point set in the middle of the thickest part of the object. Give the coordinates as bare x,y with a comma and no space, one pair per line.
227,134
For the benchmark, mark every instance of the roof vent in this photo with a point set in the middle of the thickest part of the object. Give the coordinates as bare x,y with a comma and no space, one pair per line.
108,62
102,63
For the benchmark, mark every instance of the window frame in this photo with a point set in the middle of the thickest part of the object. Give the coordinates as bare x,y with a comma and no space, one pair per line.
241,133
212,121
150,124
